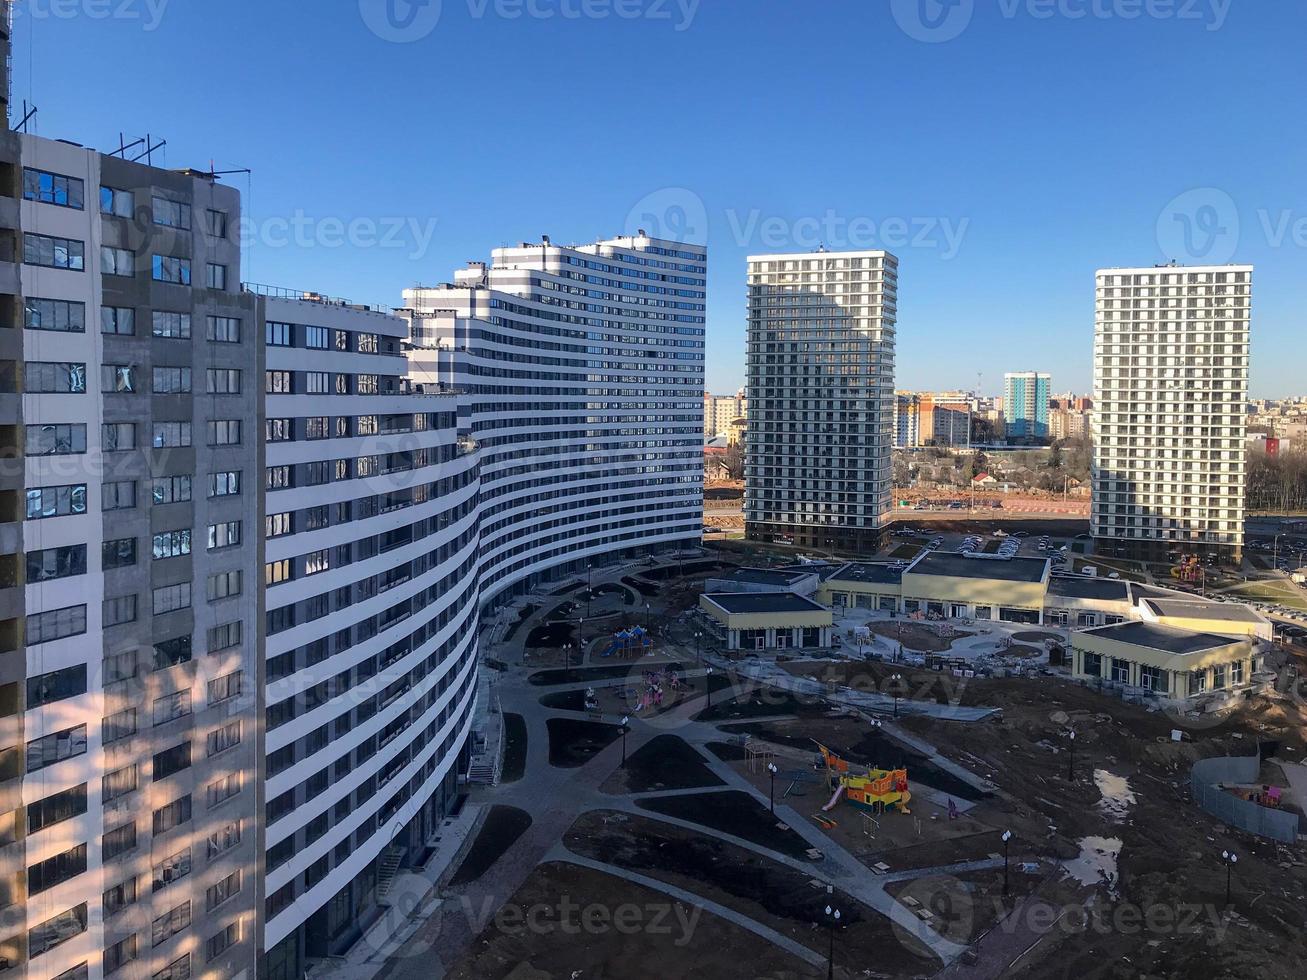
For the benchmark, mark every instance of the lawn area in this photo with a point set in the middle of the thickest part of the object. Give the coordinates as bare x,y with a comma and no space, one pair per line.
1129,570
1285,594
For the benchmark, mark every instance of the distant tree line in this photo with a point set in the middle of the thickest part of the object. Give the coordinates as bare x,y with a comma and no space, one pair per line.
1277,483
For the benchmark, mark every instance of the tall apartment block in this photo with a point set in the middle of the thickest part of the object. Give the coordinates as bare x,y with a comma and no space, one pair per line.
1170,386
581,377
372,590
719,411
1026,398
130,558
821,398
907,420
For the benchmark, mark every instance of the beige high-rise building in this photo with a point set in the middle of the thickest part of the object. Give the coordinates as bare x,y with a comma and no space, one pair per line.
720,411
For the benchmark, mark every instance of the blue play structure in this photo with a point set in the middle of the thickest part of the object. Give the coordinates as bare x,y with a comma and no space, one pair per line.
627,640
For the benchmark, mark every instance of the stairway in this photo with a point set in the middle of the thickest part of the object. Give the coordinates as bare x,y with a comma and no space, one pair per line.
388,871
481,772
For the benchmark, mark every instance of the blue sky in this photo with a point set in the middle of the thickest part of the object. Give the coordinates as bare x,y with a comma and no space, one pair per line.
1005,149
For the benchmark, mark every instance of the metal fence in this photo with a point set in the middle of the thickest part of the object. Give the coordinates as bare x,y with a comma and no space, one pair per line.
1205,781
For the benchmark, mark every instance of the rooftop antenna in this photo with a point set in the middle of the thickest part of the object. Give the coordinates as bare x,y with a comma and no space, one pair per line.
28,113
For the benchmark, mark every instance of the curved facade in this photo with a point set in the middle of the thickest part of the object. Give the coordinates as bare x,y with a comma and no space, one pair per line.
371,626
581,373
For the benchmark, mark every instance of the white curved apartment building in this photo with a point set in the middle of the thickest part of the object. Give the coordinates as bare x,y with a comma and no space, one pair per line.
371,626
580,371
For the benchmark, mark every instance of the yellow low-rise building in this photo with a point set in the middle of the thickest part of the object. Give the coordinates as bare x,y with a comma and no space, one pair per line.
1167,662
1201,616
768,620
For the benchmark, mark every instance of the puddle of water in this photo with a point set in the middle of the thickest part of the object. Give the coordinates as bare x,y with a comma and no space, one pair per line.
1097,862
1117,799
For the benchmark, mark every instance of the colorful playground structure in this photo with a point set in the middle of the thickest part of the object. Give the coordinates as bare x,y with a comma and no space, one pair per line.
873,792
1189,569
635,640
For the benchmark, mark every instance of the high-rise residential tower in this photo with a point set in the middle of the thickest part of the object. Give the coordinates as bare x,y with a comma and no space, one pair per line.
1026,398
821,398
1170,385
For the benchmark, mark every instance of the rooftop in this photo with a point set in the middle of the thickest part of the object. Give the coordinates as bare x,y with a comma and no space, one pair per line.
1086,587
1230,612
763,602
767,576
868,572
1150,636
1029,570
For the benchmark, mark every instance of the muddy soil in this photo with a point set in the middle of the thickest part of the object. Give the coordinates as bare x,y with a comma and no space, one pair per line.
499,831
734,813
663,763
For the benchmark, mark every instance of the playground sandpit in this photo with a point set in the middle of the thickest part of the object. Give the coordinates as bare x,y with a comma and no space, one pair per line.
515,745
764,890
670,939
573,743
732,812
662,763
499,831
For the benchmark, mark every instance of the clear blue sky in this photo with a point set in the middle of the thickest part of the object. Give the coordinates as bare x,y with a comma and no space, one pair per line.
1047,145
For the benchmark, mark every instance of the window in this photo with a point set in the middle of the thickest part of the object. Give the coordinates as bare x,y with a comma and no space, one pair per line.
172,214
54,378
56,808
278,334
56,870
171,490
223,890
120,666
170,598
215,223
224,738
54,253
48,188
118,320
56,563
55,747
278,525
52,932
224,637
223,585
172,380
224,381
175,326
279,430
317,383
224,839
118,496
119,610
55,440
118,783
170,707
169,269
117,436
366,384
1236,672
224,788
172,544
120,954
1218,677
316,338
118,841
174,867
171,652
117,261
118,203
226,484
173,815
120,896
367,343
225,432
56,624
276,572
277,478
224,330
120,725
170,923
58,315
217,276
119,553
225,687
218,944
178,969
278,383
43,502
224,535
57,685
118,379
171,761
172,435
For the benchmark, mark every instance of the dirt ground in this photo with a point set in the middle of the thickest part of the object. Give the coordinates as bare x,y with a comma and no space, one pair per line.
767,892
569,922
663,763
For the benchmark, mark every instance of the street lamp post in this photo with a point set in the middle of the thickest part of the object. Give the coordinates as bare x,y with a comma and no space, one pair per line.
698,647
771,771
580,641
1007,837
567,655
1071,759
876,723
896,680
646,617
625,729
707,683
832,920
1230,859
589,587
